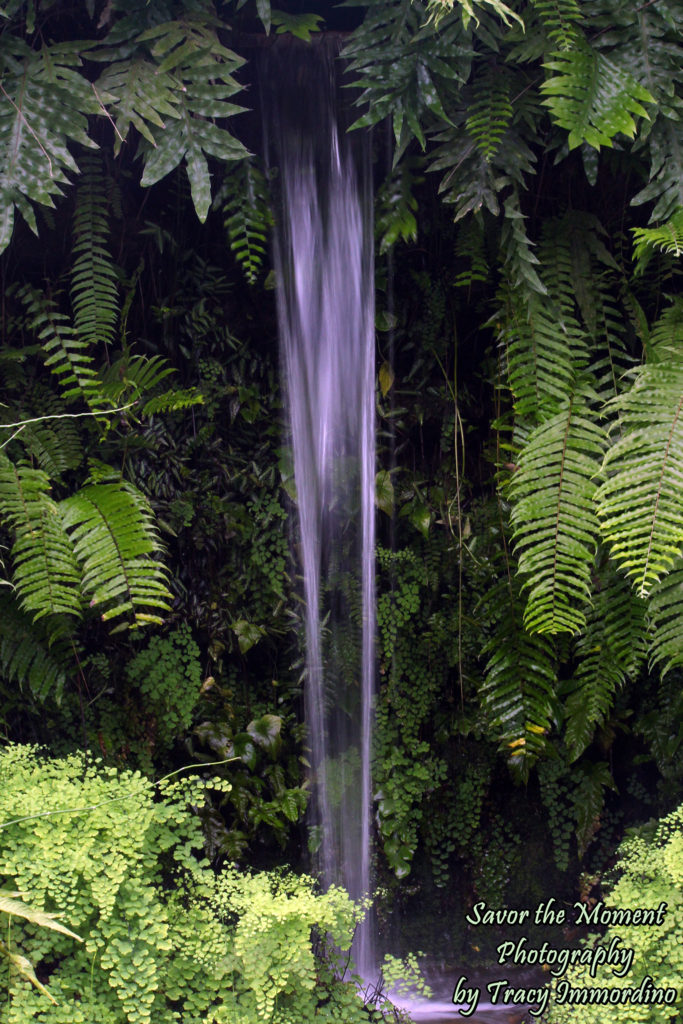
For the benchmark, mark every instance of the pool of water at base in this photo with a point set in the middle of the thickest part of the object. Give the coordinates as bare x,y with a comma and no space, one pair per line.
439,1008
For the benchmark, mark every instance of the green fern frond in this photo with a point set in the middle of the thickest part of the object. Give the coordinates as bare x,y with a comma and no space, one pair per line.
555,529
665,609
245,204
667,330
592,98
202,70
94,284
172,401
470,181
44,103
112,530
396,205
56,445
612,649
470,247
665,178
46,574
640,505
404,68
519,262
65,354
438,8
668,239
130,377
489,114
538,354
34,654
560,19
518,692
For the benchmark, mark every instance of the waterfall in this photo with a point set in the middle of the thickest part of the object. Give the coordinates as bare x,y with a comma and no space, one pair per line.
325,291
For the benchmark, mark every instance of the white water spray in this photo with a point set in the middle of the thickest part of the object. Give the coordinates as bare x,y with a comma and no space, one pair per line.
326,321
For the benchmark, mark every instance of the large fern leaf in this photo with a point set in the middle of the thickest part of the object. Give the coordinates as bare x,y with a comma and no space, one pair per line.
64,352
93,277
44,102
29,656
665,179
404,68
611,650
665,609
518,692
244,201
592,98
554,522
202,68
640,505
45,574
112,530
667,238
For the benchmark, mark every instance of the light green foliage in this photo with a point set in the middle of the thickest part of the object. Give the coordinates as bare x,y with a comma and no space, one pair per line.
667,238
98,848
649,872
592,98
245,204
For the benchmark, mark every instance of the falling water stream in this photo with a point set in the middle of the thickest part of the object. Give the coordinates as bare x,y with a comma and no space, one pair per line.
325,291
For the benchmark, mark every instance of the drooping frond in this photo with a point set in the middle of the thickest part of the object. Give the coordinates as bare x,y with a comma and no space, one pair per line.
639,505
668,238
396,205
519,261
55,444
554,523
244,201
665,179
136,380
472,182
45,573
26,657
538,355
611,650
489,114
202,70
112,530
403,72
667,330
665,608
592,98
518,692
65,354
94,288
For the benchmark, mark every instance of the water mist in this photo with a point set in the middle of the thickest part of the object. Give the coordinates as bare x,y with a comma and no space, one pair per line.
325,291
